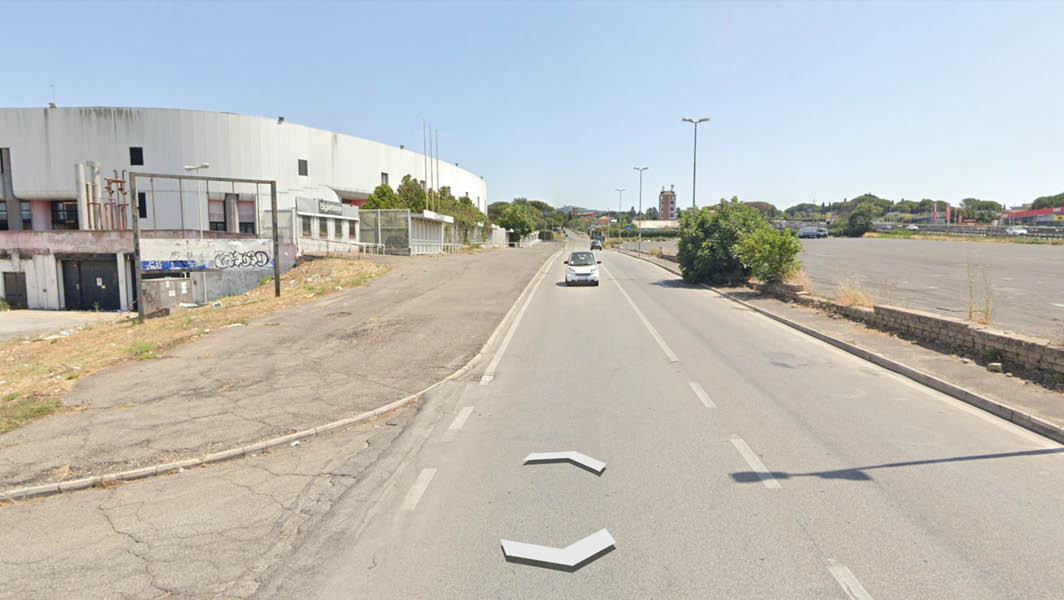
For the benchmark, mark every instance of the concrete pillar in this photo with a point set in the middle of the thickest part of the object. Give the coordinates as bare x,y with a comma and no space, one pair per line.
124,292
83,199
7,187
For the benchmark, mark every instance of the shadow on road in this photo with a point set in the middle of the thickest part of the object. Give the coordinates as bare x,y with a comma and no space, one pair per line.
858,473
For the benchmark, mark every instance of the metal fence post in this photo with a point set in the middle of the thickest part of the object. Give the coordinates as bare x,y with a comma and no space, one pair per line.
134,206
276,243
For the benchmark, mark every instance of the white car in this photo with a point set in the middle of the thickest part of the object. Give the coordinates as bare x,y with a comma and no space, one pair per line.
1016,230
583,268
913,228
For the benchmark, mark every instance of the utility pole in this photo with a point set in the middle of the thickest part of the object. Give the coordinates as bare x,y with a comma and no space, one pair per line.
694,167
438,169
639,244
134,211
425,156
620,193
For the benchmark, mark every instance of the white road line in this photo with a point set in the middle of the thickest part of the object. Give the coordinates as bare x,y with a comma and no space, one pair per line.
755,463
460,420
489,373
853,588
654,332
1058,305
416,490
701,393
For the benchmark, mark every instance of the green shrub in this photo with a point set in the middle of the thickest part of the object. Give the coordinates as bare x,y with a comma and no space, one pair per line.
709,240
771,254
857,222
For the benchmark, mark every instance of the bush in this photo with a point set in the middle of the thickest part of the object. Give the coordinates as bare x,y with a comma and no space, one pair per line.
857,222
709,240
771,254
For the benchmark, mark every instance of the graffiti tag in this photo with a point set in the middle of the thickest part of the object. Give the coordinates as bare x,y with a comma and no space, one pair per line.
241,260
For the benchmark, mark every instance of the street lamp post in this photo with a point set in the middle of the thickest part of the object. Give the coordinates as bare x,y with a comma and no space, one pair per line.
620,193
639,244
694,167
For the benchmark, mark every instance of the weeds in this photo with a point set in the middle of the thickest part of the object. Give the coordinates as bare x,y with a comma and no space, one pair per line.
801,279
986,301
141,350
852,293
991,355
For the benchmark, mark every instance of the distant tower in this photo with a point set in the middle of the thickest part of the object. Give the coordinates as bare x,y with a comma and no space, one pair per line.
667,204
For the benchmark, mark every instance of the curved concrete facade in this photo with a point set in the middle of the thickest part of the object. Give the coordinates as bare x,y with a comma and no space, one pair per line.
44,144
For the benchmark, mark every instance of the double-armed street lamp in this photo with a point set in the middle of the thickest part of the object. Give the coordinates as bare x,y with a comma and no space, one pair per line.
694,168
639,244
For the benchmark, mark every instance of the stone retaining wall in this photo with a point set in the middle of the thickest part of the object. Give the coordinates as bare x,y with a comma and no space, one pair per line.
1039,357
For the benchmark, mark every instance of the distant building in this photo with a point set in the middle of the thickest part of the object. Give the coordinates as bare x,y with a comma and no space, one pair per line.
667,208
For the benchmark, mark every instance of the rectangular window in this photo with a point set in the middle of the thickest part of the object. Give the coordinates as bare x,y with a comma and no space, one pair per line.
142,204
216,215
245,209
423,184
64,215
303,167
305,221
136,156
323,228
338,229
27,215
3,216
384,179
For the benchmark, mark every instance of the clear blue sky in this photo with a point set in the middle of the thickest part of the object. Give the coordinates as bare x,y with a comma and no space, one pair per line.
557,101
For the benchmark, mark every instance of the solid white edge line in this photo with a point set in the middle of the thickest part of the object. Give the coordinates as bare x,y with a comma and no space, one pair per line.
460,419
489,373
416,490
654,332
755,463
849,583
701,393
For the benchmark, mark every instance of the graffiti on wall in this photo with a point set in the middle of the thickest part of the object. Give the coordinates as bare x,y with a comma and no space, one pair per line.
241,260
205,255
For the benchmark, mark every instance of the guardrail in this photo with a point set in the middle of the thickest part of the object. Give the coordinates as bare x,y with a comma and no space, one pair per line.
330,247
1049,233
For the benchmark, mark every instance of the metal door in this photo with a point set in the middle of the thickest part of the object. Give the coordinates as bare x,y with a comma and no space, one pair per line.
90,284
15,289
71,285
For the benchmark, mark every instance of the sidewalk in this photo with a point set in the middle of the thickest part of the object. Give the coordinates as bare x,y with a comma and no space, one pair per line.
1016,394
296,369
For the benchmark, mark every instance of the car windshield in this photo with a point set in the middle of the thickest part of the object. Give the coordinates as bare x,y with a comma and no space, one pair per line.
582,259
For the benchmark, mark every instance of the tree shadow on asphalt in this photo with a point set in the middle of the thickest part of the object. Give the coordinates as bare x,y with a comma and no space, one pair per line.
858,473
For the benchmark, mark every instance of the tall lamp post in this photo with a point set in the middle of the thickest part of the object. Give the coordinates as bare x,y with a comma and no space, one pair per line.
620,193
694,168
639,244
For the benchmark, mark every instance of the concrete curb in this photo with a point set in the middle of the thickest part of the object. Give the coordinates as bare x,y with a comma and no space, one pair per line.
241,451
1018,417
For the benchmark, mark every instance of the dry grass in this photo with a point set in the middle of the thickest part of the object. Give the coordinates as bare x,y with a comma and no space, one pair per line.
801,279
35,375
852,293
983,299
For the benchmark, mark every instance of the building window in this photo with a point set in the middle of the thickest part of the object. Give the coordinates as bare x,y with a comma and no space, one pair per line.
423,184
384,179
338,229
3,216
142,204
305,221
303,167
136,156
245,210
64,215
216,215
323,228
27,215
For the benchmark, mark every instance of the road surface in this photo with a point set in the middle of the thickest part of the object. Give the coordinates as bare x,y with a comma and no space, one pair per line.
1025,279
743,460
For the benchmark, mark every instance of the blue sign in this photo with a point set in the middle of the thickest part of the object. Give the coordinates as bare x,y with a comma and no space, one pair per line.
629,228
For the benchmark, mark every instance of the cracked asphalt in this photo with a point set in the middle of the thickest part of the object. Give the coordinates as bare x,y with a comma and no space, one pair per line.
218,531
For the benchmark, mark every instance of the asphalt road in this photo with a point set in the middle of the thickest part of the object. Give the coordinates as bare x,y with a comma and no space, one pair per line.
1027,289
744,460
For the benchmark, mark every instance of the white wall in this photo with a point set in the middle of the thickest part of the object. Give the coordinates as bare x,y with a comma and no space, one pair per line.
42,279
45,144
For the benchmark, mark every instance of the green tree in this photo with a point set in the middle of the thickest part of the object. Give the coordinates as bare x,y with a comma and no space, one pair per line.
496,209
652,214
1048,201
382,197
518,217
709,239
764,208
770,253
411,194
857,222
